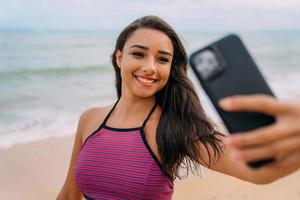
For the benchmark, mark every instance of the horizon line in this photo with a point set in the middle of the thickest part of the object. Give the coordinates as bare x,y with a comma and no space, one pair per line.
26,29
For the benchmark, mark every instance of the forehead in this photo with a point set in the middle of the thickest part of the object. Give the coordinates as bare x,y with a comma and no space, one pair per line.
154,39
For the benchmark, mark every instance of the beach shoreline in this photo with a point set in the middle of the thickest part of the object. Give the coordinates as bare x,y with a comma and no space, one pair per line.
37,170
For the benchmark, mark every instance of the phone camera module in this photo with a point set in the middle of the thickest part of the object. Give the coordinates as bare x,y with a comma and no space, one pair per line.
207,64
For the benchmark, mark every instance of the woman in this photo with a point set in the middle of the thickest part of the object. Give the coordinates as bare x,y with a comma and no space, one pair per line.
134,148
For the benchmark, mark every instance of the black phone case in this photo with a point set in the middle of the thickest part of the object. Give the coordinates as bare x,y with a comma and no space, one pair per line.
237,74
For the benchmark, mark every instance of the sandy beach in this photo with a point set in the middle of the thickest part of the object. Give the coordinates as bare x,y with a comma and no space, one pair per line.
37,170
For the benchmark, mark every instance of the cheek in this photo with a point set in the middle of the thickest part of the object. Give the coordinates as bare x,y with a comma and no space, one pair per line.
130,64
165,73
126,70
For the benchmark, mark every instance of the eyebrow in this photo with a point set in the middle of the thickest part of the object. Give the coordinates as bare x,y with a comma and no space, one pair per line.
146,48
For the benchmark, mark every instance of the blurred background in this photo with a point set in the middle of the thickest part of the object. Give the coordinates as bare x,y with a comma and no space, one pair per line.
55,54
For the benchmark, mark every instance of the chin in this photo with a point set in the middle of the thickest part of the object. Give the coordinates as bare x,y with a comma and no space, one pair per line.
144,94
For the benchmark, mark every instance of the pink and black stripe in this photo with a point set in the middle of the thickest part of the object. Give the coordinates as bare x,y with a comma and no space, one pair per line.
117,163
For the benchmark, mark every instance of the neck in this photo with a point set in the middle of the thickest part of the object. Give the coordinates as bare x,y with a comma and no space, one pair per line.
136,106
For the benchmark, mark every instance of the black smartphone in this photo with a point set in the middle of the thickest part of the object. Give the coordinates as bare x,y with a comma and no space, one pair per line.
226,68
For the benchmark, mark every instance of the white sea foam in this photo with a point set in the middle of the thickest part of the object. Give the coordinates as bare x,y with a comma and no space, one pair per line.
50,79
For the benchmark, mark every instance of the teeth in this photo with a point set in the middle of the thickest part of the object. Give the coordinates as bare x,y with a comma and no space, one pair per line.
145,80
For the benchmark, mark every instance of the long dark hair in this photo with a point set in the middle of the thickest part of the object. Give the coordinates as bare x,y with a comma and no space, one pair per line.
183,125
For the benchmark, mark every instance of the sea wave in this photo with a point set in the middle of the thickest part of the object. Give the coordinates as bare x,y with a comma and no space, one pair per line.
64,70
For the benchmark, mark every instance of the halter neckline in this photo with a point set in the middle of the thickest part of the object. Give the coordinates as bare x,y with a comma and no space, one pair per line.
130,128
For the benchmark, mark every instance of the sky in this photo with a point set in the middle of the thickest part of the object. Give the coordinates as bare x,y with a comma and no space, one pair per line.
200,15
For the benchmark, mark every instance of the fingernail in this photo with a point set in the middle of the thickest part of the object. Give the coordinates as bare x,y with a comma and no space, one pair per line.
225,103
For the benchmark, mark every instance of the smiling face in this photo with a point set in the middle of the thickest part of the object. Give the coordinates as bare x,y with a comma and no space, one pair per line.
145,62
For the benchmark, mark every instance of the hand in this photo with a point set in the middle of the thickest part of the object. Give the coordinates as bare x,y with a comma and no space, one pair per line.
280,140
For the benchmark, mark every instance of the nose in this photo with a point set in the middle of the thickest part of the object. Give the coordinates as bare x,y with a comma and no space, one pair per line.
149,67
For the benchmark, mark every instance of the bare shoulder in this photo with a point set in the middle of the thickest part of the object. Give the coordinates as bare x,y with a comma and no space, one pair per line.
91,119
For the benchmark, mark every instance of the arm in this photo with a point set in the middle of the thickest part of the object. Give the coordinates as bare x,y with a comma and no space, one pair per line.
70,191
280,140
88,122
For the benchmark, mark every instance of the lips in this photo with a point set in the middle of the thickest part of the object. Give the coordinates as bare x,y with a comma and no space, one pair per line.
145,81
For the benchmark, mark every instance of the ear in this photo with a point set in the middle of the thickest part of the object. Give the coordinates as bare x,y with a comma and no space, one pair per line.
118,57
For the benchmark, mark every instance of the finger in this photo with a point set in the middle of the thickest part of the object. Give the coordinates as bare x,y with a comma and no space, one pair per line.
292,161
261,136
275,150
254,103
280,168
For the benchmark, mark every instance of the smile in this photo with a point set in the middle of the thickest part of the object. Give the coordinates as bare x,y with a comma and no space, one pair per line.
145,81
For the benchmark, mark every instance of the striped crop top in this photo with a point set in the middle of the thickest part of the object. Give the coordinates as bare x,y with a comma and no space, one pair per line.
118,163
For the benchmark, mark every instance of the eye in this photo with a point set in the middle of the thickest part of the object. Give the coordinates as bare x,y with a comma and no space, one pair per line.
138,54
163,60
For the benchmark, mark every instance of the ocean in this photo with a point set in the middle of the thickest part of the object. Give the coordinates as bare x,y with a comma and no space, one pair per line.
48,78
